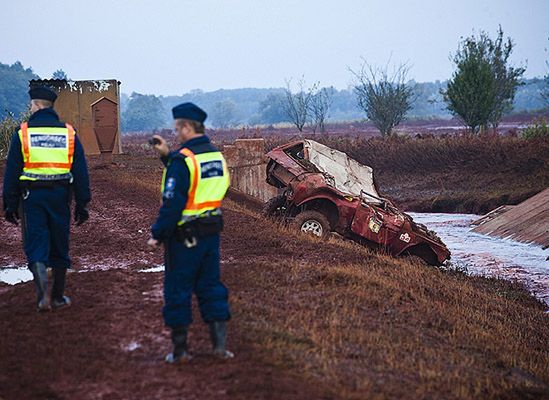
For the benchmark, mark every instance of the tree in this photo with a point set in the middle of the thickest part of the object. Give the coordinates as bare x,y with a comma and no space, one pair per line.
297,105
271,109
143,112
14,87
507,78
223,114
545,90
60,74
321,102
483,86
385,97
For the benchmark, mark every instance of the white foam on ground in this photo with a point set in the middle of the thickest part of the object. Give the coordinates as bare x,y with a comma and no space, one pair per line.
490,256
14,275
158,268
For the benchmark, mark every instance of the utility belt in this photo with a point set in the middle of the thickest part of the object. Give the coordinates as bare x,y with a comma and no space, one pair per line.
43,184
199,227
45,181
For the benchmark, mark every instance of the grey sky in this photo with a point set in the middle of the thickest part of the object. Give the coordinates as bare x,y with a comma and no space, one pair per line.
170,47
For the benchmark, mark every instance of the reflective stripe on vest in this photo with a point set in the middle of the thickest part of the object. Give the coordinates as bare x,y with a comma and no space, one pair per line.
209,181
46,151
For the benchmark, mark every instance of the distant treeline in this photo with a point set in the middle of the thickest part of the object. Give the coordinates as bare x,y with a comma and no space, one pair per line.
251,106
248,106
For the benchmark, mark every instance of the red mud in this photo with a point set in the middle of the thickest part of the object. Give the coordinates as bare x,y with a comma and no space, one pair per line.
311,320
82,352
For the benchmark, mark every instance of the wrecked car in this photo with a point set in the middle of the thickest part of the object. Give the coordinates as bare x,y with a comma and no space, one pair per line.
322,190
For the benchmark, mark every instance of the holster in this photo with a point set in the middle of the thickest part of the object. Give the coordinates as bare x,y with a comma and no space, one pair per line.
200,227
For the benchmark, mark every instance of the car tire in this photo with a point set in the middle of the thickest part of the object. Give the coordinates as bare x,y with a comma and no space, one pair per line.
313,222
275,207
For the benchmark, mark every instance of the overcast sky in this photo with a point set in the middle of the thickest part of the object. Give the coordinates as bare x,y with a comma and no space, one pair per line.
173,46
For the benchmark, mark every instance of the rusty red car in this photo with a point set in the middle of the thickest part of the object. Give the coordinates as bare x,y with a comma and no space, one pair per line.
323,191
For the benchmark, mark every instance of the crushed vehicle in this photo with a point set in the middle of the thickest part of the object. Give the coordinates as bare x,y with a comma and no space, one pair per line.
323,190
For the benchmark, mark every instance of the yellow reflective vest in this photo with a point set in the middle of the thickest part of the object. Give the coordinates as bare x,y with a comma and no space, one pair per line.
209,182
47,152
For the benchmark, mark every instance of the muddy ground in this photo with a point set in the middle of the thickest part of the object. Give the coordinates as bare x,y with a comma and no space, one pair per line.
310,320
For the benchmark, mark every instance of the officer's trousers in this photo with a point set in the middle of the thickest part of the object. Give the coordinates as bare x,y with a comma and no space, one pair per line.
189,270
45,220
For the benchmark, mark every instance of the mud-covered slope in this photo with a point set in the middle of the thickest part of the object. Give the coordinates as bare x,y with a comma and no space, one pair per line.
310,319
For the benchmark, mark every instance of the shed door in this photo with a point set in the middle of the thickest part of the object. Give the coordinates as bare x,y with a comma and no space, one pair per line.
105,123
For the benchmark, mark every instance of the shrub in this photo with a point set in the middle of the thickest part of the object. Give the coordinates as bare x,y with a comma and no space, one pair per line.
540,129
7,127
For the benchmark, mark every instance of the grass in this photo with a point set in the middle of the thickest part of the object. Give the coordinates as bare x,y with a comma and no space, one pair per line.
372,326
368,325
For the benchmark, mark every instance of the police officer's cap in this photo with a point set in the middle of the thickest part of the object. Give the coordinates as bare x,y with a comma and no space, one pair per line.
42,93
189,111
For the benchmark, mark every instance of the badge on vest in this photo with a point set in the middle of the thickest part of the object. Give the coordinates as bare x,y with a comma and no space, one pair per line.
169,188
211,169
48,141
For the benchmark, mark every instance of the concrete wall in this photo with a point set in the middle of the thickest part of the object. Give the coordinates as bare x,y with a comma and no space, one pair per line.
247,163
74,106
527,222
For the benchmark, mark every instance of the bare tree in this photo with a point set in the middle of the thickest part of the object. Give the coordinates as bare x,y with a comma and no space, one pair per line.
297,105
319,107
385,97
545,90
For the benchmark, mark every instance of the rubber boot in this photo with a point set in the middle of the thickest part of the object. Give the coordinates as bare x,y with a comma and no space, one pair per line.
218,335
40,275
180,351
58,299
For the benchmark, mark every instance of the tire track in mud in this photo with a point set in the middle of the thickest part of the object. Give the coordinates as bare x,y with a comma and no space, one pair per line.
111,342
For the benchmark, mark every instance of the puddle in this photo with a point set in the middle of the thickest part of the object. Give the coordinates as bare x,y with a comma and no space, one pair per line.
15,275
490,256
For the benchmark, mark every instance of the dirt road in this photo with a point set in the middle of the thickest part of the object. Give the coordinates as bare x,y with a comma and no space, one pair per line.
310,320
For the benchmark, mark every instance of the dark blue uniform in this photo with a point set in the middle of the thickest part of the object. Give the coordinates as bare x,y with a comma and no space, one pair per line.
188,270
45,211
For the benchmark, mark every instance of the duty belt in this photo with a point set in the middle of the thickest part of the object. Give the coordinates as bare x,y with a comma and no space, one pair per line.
58,177
210,213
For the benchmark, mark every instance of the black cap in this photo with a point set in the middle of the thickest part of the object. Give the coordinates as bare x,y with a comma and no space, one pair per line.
42,93
189,111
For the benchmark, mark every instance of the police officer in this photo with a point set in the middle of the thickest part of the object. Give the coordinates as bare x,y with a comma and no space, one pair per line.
45,165
189,223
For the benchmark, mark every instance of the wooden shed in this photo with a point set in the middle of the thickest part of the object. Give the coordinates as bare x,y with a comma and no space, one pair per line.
93,108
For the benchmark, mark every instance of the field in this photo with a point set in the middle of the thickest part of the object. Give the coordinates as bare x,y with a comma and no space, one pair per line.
430,166
310,320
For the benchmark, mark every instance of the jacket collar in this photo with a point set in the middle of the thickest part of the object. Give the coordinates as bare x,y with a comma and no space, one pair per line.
195,141
44,114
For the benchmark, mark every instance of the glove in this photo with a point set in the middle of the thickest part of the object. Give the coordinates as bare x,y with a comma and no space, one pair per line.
12,216
81,214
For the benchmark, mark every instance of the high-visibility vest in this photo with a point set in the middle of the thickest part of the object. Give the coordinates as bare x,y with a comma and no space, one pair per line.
47,152
209,182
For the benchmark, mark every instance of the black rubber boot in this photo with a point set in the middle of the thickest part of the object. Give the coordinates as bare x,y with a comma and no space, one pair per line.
40,274
180,351
58,298
218,335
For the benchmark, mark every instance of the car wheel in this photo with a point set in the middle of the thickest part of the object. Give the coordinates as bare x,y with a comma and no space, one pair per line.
313,223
